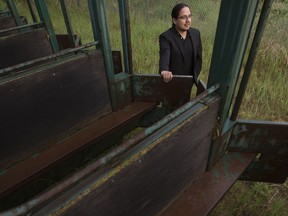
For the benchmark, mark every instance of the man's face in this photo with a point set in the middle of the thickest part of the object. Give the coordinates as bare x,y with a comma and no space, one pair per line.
183,22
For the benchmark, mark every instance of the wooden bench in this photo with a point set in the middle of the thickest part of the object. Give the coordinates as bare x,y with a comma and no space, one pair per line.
50,114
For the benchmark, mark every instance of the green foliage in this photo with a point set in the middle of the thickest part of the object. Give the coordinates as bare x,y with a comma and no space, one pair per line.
246,198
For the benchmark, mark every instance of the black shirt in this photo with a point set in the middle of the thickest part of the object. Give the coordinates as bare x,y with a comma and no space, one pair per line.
187,47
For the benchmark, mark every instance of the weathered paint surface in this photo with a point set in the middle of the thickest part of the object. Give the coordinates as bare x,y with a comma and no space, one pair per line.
270,141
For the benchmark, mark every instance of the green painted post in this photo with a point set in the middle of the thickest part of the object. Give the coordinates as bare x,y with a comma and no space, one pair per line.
234,25
45,18
68,23
100,30
98,16
14,12
126,37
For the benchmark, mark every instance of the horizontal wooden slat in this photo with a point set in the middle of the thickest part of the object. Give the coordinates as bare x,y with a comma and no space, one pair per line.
199,198
21,47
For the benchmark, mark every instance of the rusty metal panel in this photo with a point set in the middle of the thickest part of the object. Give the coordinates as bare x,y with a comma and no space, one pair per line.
117,61
7,22
200,197
153,88
150,175
64,41
121,91
22,47
43,107
270,141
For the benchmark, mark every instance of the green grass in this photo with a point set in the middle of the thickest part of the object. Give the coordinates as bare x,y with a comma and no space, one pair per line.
266,95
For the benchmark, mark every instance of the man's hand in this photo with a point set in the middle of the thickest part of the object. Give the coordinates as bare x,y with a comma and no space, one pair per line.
167,76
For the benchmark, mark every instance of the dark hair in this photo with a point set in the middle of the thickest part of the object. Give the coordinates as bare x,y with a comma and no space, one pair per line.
176,10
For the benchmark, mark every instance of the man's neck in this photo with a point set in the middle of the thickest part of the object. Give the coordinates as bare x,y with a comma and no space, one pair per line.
182,33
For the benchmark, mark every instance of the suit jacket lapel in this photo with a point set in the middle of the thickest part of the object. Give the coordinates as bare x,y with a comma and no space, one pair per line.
175,35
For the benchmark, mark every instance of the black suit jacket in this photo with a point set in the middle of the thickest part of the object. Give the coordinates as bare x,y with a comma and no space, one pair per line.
172,56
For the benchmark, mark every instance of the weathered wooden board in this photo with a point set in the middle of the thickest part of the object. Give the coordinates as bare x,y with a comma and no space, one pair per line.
7,22
21,47
200,197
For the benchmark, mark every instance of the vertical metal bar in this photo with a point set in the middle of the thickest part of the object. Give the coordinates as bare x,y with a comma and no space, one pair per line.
234,26
12,7
68,23
100,20
45,18
126,36
31,10
251,58
94,21
98,16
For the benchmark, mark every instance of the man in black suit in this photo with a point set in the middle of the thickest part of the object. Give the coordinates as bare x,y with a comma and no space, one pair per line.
180,47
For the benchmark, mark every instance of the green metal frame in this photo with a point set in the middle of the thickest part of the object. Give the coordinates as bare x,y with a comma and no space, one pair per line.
12,7
100,30
251,58
119,85
31,10
45,17
267,139
68,23
126,38
229,49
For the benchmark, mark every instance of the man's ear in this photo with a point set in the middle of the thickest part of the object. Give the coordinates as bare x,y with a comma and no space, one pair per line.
174,20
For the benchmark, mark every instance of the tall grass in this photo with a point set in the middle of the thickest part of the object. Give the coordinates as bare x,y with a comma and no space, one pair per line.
266,95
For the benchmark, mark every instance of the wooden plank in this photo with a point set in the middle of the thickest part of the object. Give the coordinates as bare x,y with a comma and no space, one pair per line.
7,22
200,197
21,47
151,174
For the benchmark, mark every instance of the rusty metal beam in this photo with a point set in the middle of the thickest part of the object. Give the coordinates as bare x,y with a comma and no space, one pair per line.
8,70
27,26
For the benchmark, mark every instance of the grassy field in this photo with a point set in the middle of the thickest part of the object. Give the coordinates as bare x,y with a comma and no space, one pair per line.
266,96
